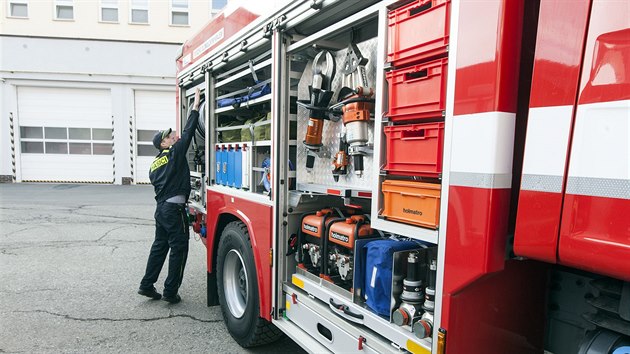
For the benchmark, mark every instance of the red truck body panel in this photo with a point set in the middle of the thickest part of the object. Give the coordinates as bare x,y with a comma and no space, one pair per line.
257,217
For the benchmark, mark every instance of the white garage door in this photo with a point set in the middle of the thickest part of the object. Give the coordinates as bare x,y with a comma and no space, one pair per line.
65,134
155,110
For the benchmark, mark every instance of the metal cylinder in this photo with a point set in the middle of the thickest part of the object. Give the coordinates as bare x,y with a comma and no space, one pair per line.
357,133
429,297
412,292
397,285
423,327
401,317
413,284
429,300
313,139
310,161
357,163
412,267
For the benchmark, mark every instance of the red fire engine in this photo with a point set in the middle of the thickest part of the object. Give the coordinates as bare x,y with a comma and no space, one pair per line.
425,176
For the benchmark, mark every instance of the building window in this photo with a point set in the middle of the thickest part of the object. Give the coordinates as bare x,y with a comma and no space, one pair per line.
64,10
144,143
57,148
32,147
18,8
31,133
66,140
179,13
55,133
109,11
139,11
217,5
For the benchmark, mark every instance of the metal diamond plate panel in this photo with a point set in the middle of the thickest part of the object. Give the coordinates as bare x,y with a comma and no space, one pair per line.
322,170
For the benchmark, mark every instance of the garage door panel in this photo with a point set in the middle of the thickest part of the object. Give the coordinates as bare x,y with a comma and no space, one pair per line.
155,110
70,168
45,106
65,134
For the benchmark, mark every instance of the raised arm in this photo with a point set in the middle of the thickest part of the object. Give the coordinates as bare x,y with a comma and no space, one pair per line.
189,130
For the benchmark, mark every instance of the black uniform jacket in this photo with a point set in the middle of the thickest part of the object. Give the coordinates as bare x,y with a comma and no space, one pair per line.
169,172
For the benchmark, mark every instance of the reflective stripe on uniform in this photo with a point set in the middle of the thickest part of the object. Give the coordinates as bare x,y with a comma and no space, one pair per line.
159,162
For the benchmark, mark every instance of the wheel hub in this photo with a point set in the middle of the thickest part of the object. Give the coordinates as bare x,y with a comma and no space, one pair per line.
235,283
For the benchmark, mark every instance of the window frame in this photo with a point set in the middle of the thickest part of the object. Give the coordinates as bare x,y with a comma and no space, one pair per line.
146,143
57,3
173,9
67,141
132,7
102,6
11,2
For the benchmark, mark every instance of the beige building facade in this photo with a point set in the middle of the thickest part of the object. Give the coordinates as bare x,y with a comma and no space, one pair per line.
163,21
85,83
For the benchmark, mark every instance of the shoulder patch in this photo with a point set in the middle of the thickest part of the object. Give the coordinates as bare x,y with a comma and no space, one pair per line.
159,162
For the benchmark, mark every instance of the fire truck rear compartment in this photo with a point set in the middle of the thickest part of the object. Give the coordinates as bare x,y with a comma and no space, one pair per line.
330,212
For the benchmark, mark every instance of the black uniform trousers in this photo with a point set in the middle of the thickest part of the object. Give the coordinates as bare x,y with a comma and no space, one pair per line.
171,231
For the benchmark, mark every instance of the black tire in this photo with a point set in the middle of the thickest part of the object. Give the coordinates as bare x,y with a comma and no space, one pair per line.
237,285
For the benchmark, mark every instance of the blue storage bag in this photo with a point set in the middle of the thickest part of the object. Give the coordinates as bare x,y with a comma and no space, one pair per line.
377,262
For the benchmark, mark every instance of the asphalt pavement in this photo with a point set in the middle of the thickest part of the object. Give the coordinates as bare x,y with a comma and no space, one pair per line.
71,259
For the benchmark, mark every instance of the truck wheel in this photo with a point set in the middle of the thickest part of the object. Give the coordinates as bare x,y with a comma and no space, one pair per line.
238,289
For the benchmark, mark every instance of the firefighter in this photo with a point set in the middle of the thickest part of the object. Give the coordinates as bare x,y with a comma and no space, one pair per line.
170,177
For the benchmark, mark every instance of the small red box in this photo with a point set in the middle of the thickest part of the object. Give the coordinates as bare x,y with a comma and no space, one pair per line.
417,92
418,31
415,149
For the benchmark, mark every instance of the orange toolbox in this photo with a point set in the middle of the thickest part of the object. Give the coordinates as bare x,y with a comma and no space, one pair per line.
410,202
415,149
418,91
418,31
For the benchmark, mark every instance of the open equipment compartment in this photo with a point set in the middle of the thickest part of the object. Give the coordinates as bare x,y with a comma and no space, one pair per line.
242,115
329,212
410,132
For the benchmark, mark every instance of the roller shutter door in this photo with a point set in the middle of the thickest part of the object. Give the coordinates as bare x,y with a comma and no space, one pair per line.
65,135
155,110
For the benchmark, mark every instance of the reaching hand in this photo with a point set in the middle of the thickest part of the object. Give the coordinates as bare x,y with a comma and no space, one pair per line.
196,103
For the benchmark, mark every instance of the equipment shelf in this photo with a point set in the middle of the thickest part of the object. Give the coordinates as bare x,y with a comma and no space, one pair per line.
242,73
411,231
244,105
340,191
317,287
254,143
308,314
239,127
292,118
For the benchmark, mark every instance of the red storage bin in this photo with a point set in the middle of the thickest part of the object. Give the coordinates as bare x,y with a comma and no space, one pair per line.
415,149
418,31
417,92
